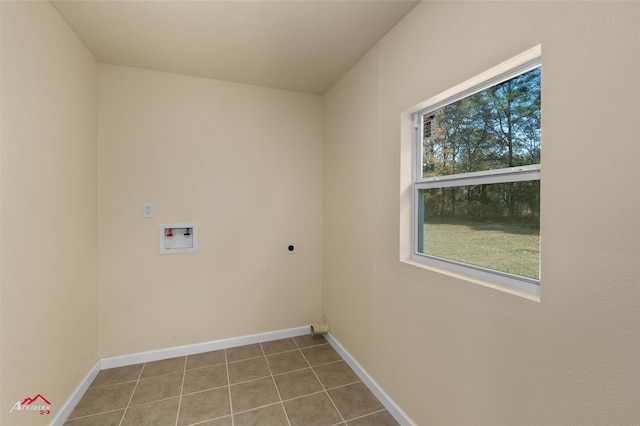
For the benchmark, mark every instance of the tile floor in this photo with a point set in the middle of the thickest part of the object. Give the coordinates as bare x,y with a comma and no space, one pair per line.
301,381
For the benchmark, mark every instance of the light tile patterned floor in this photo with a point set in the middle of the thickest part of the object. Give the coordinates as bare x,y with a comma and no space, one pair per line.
301,381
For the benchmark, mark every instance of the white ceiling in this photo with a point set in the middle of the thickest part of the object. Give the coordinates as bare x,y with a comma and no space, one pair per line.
302,45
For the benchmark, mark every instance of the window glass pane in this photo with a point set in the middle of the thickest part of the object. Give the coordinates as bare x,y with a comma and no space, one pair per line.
496,128
494,226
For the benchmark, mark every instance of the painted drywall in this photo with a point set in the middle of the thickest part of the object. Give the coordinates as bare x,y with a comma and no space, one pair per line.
245,164
49,214
452,352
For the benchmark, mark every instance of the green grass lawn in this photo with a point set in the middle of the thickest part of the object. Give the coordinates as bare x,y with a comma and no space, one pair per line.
508,248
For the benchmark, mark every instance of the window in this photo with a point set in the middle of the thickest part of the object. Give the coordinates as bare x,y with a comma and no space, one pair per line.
476,189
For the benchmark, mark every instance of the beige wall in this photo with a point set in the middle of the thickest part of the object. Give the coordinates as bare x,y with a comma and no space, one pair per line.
453,352
243,162
49,214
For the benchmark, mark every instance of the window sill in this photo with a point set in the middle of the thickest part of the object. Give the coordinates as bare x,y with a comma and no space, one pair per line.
530,295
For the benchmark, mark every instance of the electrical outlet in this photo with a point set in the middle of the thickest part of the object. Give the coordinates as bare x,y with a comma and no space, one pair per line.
147,210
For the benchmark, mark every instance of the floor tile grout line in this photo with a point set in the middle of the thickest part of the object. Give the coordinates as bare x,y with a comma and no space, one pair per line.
99,413
292,371
325,389
161,375
94,413
201,368
210,420
184,375
368,414
245,359
303,396
111,384
226,363
258,407
91,415
310,346
288,365
124,413
336,407
203,390
286,416
280,352
316,346
344,386
330,362
250,380
154,401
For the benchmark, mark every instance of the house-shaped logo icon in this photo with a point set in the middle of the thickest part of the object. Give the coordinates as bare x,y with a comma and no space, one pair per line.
29,401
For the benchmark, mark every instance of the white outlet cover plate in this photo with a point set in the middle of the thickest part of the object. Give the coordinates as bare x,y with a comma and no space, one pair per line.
147,210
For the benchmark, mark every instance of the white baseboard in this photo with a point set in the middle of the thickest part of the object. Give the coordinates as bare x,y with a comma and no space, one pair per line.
140,357
393,409
75,397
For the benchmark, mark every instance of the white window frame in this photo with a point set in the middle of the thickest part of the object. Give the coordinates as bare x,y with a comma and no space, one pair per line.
520,64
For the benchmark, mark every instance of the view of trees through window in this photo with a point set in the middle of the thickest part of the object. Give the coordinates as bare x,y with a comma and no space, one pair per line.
492,225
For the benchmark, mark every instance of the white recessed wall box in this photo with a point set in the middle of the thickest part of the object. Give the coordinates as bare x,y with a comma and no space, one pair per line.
178,238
